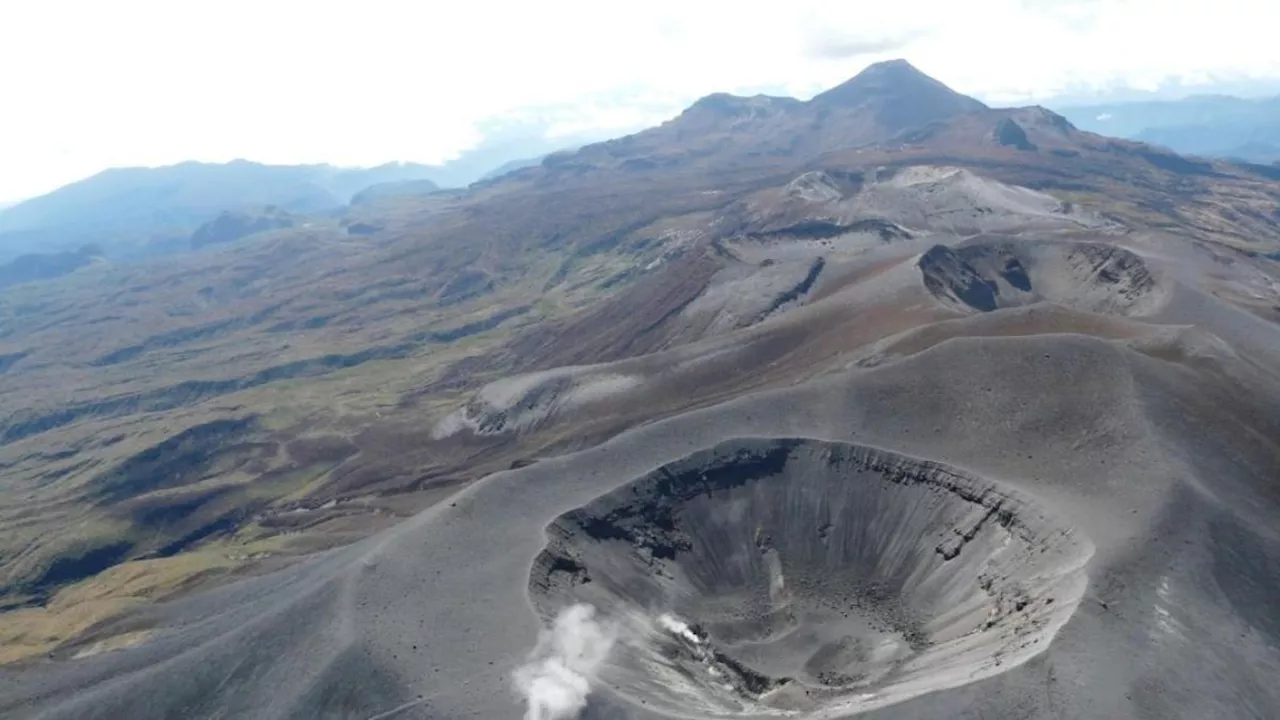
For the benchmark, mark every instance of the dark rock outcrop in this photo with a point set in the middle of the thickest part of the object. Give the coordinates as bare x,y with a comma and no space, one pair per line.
404,188
45,266
231,226
1011,134
946,274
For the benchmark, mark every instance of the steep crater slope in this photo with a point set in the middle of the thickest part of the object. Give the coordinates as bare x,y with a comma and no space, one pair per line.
990,273
807,577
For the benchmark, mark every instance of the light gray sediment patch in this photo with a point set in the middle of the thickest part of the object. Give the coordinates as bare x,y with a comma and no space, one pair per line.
769,577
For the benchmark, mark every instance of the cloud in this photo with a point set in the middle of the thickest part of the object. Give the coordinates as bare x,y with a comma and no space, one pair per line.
830,45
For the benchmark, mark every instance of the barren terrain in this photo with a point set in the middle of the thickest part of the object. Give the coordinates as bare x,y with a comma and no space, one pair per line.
886,404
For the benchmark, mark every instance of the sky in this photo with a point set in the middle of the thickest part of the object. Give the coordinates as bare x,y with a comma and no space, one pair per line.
88,84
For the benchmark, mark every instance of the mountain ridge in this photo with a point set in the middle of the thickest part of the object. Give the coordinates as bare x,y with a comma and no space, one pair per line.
886,102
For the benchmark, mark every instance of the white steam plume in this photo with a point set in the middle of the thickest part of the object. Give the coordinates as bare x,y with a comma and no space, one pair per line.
558,676
676,626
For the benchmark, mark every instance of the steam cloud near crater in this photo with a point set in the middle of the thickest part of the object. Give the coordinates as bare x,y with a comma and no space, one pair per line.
558,676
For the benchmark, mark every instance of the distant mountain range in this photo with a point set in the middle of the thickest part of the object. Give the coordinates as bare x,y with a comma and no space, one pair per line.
135,212
141,211
132,212
1210,125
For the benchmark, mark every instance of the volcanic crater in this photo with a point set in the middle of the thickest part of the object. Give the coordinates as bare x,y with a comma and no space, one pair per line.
798,577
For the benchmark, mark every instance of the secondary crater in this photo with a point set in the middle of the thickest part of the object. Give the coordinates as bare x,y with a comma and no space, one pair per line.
769,577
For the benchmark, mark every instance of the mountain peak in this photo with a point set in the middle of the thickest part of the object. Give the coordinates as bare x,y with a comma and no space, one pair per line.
899,94
896,65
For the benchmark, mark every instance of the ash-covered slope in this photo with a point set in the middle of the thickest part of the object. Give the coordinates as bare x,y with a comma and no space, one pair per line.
1117,445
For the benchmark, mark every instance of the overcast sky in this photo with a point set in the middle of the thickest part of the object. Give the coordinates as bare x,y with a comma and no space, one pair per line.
88,84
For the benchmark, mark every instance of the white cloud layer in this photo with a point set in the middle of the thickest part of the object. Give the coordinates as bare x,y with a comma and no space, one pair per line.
89,84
